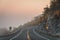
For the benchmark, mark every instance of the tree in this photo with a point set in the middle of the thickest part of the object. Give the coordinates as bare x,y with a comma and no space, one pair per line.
10,28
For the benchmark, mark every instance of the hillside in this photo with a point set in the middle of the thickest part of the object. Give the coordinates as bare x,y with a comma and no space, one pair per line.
50,18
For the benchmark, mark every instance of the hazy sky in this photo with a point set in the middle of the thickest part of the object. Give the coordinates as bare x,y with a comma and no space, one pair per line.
16,12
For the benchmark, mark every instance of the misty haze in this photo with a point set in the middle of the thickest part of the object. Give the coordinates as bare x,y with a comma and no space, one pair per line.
29,19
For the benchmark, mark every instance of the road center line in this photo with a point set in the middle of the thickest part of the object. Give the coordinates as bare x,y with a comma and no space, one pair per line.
28,37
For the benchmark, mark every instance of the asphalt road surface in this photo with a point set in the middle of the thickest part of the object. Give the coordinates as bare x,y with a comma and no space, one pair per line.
27,33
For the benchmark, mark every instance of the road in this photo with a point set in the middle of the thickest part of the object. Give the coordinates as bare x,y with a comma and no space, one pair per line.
27,33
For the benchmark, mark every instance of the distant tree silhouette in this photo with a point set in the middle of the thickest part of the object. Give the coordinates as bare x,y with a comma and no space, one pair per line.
10,28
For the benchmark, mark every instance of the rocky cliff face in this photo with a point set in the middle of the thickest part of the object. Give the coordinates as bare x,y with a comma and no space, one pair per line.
53,18
53,24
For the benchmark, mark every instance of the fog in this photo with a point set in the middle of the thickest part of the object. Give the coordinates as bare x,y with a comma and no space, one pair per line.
14,20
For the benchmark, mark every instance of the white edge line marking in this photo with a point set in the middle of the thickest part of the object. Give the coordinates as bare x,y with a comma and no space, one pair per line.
16,35
39,35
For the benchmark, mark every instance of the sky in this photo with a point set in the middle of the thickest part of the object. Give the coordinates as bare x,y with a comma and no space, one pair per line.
17,12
